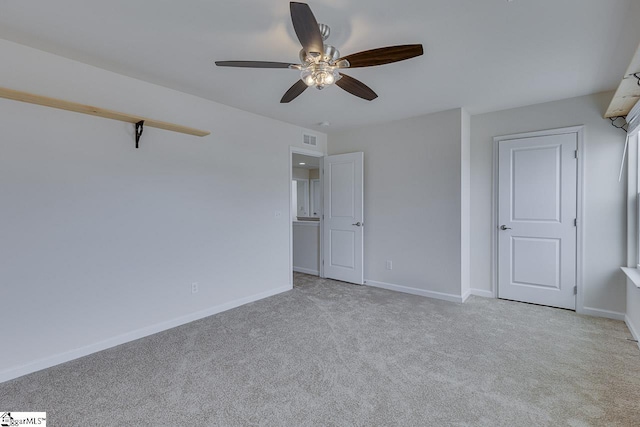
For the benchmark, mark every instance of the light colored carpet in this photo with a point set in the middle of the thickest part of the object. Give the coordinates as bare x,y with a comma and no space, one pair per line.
334,354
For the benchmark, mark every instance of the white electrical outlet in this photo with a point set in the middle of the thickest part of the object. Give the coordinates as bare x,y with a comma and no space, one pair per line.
389,265
194,288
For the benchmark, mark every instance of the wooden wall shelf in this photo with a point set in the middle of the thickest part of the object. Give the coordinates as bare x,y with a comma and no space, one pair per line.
628,92
96,111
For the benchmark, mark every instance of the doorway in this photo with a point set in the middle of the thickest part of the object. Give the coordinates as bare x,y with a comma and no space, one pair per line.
327,207
305,211
537,217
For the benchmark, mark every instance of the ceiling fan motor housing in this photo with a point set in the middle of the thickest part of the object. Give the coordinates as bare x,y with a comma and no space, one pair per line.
330,54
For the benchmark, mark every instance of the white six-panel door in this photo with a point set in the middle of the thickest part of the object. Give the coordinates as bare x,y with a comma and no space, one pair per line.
343,217
537,189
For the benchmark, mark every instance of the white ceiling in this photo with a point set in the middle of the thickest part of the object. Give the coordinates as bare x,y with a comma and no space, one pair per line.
484,55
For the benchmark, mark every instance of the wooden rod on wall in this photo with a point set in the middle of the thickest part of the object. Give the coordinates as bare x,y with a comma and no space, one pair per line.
95,111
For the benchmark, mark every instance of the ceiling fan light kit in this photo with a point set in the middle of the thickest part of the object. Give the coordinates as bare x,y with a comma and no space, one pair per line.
321,63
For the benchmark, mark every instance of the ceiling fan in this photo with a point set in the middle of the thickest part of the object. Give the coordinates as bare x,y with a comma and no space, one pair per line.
321,63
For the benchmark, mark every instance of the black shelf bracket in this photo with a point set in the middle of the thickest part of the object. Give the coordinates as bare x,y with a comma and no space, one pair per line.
615,122
139,130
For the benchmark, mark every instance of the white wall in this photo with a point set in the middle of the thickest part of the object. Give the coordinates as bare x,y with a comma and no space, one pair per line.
100,242
412,201
604,197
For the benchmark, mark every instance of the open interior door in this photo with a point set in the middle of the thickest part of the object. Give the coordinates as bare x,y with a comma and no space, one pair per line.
343,250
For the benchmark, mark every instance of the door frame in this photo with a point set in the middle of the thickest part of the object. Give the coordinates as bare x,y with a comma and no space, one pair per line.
311,153
579,131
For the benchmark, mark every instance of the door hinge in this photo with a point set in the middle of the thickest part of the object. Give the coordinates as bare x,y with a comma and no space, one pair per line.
575,290
575,153
575,222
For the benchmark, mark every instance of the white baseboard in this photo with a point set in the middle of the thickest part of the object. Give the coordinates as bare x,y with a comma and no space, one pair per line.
47,362
478,293
596,312
306,271
481,293
415,291
466,295
634,329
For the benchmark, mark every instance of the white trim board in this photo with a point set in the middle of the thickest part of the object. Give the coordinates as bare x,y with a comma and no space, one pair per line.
481,293
466,296
67,356
596,312
415,291
633,329
633,275
306,271
579,131
477,293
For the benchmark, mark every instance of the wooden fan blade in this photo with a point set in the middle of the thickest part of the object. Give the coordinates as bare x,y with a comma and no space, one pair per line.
306,27
293,92
383,55
253,64
356,87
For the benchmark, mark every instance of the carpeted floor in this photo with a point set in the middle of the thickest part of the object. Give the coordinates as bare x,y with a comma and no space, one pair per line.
334,354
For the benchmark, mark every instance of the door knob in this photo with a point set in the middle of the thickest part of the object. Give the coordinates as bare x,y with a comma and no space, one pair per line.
357,224
504,227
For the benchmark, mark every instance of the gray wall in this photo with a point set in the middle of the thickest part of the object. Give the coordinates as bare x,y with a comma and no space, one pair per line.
604,198
412,197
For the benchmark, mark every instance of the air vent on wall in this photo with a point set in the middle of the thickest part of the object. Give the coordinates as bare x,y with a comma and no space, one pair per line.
309,140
